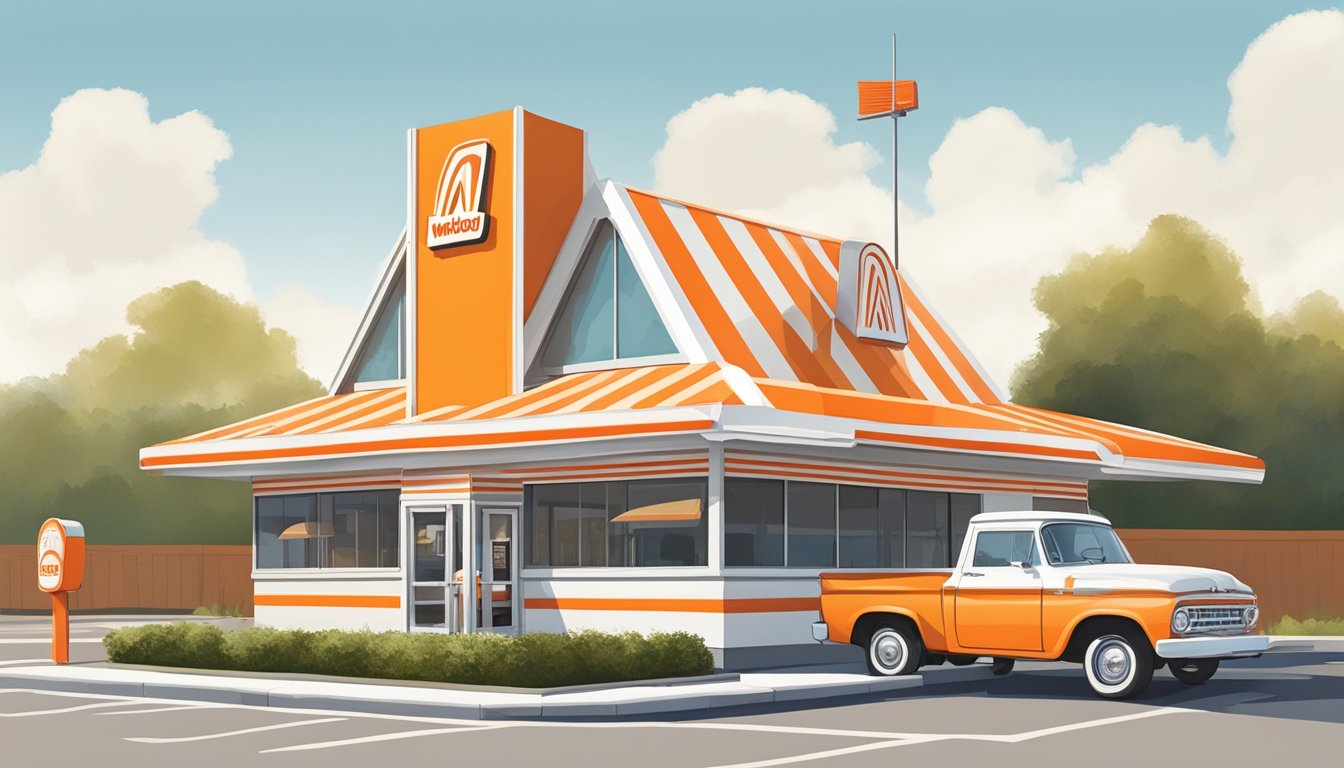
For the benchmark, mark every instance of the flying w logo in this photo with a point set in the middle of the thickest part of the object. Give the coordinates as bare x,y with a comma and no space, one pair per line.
870,295
459,216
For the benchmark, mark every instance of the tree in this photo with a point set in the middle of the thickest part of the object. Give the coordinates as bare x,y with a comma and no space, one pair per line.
70,443
1167,336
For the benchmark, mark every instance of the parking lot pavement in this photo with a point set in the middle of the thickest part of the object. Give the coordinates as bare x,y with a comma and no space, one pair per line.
1283,710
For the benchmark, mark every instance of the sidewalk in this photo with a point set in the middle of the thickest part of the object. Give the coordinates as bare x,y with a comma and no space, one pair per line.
379,697
794,685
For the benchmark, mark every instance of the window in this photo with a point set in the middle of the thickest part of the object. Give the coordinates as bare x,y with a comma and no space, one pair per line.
328,530
639,523
383,357
926,529
753,525
872,527
810,524
773,523
1003,548
608,313
1078,543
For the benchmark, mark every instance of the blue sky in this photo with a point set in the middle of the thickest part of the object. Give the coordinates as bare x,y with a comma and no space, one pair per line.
316,97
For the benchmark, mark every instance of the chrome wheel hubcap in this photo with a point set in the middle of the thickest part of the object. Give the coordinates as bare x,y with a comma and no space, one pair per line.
889,651
1112,663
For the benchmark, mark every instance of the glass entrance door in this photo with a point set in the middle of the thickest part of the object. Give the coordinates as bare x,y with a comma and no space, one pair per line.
436,547
498,555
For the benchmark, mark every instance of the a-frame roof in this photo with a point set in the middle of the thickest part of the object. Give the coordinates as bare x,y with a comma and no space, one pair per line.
751,307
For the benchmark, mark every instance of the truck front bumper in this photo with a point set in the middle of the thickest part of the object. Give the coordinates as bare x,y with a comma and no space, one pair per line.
1212,647
820,632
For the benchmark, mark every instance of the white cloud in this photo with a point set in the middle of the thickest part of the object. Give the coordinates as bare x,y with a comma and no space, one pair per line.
108,212
322,328
1007,204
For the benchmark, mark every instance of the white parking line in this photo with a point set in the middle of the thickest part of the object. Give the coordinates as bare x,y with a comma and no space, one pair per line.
19,662
387,737
62,711
1014,738
208,736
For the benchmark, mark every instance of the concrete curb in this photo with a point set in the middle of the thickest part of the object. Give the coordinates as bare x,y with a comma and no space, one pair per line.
786,686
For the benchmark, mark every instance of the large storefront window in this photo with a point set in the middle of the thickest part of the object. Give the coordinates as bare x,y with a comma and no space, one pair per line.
328,530
821,525
637,523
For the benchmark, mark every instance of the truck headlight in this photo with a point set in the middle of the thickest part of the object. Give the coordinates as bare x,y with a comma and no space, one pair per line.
1251,615
1180,620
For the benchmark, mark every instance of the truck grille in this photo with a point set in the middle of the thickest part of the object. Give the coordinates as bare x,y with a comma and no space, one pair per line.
1211,618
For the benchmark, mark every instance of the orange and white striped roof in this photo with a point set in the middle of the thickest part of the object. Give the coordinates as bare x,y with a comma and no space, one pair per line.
766,296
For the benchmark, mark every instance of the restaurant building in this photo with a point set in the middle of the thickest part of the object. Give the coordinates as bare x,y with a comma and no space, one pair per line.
616,410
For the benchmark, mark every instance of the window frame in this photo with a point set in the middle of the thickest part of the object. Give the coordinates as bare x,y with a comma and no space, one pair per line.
616,361
283,572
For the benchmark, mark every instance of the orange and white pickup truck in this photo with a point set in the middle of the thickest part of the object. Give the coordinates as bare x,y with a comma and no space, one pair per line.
1047,586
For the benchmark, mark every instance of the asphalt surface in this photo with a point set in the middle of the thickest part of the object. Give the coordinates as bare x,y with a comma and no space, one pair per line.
1284,709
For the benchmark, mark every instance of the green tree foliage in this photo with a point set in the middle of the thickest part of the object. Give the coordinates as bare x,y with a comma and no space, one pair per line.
1167,336
70,443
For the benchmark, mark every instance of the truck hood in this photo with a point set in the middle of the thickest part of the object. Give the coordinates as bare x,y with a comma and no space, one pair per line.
1108,577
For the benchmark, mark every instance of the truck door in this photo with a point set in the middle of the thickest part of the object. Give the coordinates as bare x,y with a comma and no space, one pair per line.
998,599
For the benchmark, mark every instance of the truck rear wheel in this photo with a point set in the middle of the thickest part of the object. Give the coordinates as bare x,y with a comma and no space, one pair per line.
894,649
1118,665
1193,671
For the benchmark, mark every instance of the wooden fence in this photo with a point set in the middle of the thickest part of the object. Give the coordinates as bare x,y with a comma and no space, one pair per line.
168,577
1294,573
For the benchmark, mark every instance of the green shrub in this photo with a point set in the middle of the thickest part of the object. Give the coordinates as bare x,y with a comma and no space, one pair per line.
216,610
534,660
1309,626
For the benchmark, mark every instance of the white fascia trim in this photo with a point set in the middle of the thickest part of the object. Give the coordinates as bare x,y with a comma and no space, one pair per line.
591,211
391,265
422,430
411,258
675,310
1157,469
737,420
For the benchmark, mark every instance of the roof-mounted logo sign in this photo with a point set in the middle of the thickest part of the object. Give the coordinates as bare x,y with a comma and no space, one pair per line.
869,297
459,216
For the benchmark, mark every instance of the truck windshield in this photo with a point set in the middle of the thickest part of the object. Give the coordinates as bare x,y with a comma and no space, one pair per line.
1078,543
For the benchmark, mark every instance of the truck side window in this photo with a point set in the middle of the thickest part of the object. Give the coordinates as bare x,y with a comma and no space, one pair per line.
1003,548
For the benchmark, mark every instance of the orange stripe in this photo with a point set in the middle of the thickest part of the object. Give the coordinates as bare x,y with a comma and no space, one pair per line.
1139,445
711,313
212,434
510,404
359,412
713,605
445,441
818,317
975,445
409,481
794,348
321,478
328,601
317,486
919,347
641,378
954,352
350,401
718,393
843,480
618,465
680,471
895,473
662,396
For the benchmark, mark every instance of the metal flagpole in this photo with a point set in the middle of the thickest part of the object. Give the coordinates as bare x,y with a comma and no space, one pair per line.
895,205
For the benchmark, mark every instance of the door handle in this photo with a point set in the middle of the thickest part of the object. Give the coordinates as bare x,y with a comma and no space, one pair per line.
971,573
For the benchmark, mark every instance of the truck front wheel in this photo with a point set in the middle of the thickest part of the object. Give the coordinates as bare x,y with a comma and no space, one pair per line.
894,649
1193,671
1118,666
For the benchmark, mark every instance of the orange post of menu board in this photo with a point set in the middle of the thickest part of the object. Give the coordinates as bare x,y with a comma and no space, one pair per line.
60,571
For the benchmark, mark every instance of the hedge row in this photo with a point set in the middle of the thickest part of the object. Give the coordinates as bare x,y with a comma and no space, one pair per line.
533,660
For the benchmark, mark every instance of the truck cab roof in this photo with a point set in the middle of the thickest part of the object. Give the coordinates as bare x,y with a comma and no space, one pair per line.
1037,516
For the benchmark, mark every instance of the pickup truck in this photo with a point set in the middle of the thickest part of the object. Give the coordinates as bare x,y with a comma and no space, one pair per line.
1046,586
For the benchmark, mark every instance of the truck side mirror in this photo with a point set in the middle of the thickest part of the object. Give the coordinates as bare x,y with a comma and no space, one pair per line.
1024,565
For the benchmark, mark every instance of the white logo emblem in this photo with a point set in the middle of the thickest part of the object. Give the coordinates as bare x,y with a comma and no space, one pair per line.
459,216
